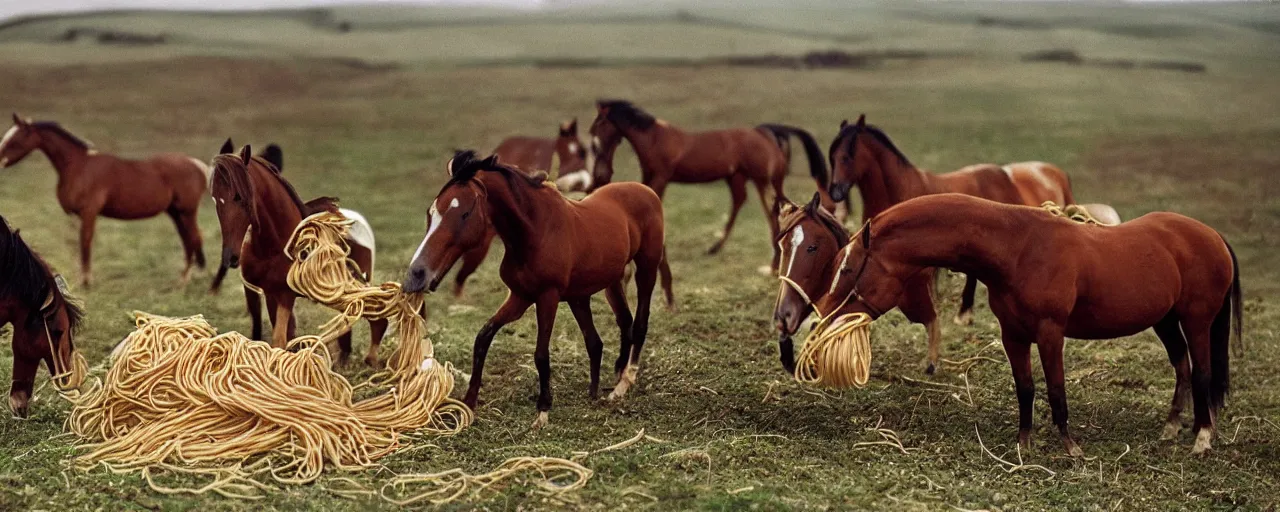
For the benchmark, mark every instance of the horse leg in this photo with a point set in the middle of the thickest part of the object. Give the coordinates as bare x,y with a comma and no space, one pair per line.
377,329
87,221
344,348
738,188
1019,354
787,353
772,220
24,379
253,302
283,326
511,310
1049,340
664,270
617,296
646,278
187,256
546,310
965,315
1170,333
595,347
917,305
471,260
1198,347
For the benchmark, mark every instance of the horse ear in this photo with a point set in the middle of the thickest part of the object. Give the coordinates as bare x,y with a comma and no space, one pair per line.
573,126
448,168
814,203
227,147
844,123
18,120
246,154
862,120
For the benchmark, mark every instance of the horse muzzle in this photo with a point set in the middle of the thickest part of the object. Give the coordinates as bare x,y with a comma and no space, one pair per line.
839,191
420,279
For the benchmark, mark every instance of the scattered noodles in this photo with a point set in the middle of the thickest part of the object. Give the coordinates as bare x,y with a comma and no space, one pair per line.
1073,212
181,399
839,356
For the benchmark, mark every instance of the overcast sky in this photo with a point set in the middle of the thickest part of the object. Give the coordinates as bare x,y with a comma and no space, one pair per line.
10,8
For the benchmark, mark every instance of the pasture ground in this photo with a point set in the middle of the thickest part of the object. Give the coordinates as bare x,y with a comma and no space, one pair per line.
738,433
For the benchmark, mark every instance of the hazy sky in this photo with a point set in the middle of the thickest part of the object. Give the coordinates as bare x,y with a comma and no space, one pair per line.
10,8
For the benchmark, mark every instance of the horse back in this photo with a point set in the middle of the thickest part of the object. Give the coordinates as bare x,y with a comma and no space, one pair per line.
988,181
719,154
1038,182
526,153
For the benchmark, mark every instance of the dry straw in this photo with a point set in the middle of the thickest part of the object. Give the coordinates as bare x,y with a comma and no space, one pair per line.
179,398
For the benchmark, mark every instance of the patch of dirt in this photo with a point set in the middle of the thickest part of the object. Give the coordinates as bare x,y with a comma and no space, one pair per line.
1068,56
113,37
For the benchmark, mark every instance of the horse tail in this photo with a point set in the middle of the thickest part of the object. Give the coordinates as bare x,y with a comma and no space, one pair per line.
1220,337
817,162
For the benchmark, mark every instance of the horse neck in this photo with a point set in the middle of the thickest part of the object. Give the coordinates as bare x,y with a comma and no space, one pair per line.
890,181
974,241
651,144
515,221
277,216
67,157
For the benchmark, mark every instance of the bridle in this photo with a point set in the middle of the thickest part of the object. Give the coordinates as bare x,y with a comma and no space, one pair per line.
853,294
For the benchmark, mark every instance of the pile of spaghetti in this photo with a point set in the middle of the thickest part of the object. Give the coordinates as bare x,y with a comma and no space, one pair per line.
180,398
837,353
1072,212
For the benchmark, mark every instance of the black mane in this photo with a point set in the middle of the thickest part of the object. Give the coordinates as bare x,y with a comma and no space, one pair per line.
850,133
465,165
231,169
819,214
25,276
57,128
626,115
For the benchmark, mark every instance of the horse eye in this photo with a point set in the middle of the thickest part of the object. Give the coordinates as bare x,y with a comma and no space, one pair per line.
466,214
812,248
57,335
236,198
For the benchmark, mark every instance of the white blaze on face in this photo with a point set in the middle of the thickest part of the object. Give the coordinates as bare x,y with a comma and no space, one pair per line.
843,261
797,239
434,218
573,147
4,142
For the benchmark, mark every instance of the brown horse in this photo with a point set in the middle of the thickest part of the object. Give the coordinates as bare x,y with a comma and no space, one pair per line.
528,154
1050,277
43,317
92,184
863,155
257,212
670,155
558,250
810,238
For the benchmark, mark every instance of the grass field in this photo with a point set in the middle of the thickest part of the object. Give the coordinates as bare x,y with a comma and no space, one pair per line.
739,433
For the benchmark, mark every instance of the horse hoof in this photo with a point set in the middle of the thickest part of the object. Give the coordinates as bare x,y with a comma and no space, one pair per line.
541,421
1171,430
1073,449
373,362
930,369
964,319
1204,441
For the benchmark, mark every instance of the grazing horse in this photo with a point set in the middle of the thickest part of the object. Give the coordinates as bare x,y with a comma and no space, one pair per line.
92,184
670,155
257,212
1049,277
558,250
43,317
863,155
529,154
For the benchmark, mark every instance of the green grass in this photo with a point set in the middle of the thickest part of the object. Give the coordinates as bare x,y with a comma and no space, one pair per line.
739,433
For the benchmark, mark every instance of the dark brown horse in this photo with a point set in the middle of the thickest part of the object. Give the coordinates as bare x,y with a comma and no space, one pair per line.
1049,277
529,155
257,212
43,317
863,155
92,184
670,155
810,238
558,250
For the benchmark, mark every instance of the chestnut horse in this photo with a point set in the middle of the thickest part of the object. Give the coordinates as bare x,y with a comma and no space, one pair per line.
670,155
863,155
43,317
809,238
558,250
1049,277
529,154
92,184
257,212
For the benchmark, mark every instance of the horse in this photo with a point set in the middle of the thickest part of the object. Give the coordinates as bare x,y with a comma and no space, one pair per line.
670,155
92,184
537,154
1049,277
257,212
558,250
530,154
44,318
273,155
804,275
863,155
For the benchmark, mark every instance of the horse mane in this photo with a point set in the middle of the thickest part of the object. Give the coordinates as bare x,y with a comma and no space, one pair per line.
820,215
626,115
233,170
850,132
60,130
465,165
24,275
